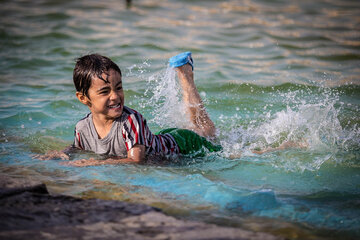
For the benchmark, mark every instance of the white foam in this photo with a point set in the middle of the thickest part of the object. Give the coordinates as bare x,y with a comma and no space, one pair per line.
313,123
166,100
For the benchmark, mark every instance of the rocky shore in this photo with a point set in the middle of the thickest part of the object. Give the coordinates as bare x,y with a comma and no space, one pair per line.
28,211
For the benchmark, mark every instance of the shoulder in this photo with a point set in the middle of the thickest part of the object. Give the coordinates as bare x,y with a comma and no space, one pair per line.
130,113
84,122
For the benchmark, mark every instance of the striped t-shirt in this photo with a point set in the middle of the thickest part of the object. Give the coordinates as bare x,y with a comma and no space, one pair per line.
127,130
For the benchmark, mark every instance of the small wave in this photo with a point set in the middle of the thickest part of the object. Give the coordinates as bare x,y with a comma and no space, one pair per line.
60,106
52,35
41,142
56,16
326,196
152,46
61,50
340,57
21,119
255,201
345,89
32,64
32,86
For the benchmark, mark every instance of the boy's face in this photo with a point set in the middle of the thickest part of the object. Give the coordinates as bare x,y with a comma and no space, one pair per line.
106,99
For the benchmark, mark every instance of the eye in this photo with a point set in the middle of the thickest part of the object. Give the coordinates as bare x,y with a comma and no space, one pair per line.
119,88
104,92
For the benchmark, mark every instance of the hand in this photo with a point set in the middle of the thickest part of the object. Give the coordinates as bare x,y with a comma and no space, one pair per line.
284,145
52,155
84,162
235,156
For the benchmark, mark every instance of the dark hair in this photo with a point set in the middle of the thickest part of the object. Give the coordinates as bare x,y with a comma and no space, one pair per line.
88,67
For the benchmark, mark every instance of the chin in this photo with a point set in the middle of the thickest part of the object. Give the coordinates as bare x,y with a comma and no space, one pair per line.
118,113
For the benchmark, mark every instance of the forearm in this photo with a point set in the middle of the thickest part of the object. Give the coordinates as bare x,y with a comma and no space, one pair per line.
117,160
135,155
97,162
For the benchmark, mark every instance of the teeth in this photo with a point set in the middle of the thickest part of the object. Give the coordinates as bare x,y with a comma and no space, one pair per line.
115,106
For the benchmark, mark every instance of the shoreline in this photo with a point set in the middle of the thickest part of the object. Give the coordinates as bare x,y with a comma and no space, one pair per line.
29,211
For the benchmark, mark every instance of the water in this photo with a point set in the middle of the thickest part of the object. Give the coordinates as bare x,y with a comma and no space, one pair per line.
268,71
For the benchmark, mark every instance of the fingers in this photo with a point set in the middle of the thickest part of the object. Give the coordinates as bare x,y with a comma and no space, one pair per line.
52,155
42,157
64,156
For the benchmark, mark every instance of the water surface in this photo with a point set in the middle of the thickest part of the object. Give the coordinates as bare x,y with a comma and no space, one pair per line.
268,71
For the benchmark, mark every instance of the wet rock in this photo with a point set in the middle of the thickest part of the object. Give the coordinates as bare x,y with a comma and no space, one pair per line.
28,211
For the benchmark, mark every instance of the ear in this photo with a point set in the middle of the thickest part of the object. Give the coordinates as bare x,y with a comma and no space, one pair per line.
83,99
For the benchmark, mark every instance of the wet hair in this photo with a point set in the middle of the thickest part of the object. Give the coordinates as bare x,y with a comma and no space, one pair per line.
89,66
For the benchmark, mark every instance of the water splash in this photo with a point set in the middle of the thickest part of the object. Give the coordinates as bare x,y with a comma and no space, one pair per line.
165,98
310,124
309,118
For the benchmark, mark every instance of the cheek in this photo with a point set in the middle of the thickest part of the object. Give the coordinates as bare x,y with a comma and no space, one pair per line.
99,102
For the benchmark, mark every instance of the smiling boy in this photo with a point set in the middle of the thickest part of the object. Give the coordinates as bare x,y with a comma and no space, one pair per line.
121,133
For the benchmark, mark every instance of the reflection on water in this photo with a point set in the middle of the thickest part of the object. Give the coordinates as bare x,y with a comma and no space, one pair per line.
268,72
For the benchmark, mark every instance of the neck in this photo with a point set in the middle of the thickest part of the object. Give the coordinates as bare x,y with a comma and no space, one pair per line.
102,126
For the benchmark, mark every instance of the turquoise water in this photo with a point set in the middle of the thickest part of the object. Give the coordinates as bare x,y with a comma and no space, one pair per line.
268,71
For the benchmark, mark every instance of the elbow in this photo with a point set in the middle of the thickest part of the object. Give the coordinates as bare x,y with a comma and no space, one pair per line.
136,160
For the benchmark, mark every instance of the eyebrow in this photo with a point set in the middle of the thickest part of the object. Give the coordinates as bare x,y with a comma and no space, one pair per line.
107,87
103,88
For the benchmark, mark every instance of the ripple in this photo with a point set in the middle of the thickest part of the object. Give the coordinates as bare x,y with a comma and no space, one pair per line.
56,16
20,117
32,64
340,57
61,50
248,57
55,35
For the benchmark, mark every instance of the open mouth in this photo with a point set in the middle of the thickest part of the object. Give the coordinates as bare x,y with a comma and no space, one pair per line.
114,106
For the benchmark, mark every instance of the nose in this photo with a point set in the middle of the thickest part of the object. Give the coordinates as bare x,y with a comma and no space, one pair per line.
114,95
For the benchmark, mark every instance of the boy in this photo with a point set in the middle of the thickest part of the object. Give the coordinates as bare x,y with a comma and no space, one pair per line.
114,130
